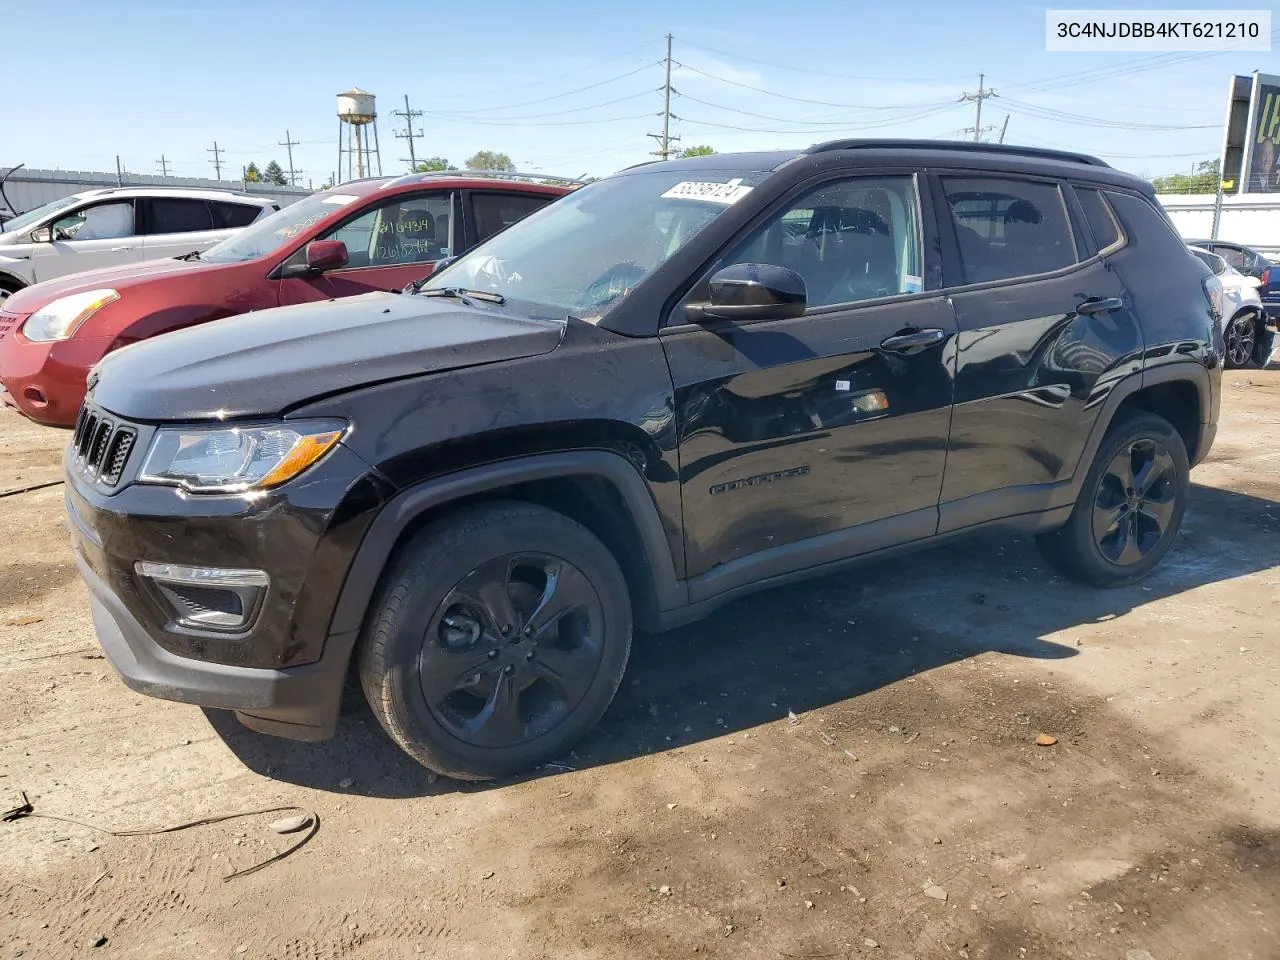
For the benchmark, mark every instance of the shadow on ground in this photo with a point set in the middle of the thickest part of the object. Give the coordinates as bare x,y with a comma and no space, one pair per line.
801,647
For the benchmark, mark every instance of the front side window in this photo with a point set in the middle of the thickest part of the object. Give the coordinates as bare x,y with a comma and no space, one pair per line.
178,215
104,221
584,254
1009,228
407,229
854,240
32,217
270,233
494,212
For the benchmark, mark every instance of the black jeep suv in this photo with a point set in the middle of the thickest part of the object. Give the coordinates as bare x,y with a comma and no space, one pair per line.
689,380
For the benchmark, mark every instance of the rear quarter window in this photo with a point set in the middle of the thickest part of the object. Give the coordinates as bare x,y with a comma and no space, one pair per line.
1102,222
229,215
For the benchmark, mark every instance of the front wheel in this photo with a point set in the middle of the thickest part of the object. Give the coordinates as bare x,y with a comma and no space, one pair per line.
499,638
1130,506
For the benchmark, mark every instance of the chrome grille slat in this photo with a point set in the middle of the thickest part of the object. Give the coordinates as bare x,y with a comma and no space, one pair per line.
117,456
98,446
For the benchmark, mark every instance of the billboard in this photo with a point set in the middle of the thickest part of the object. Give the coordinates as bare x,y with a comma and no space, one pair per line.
1251,144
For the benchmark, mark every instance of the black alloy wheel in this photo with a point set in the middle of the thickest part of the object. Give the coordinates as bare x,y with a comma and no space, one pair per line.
512,650
1135,502
498,638
1241,339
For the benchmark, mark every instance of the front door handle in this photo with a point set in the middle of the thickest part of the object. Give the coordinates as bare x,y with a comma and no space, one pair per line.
913,342
1093,307
121,249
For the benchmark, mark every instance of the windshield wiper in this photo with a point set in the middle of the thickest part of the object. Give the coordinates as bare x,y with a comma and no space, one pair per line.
193,255
462,293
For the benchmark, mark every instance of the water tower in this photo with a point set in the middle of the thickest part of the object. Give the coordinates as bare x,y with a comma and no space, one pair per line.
357,136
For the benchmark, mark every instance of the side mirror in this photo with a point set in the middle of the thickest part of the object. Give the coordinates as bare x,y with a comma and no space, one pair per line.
42,235
325,255
752,291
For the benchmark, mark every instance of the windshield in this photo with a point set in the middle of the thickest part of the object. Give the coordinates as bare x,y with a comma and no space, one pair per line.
39,213
260,238
582,254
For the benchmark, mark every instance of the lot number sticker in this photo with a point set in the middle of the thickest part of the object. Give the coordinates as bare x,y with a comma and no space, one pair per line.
725,193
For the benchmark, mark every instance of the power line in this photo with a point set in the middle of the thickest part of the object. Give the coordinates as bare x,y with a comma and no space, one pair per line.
289,143
217,160
557,96
846,123
823,73
665,138
553,113
409,116
471,95
977,98
539,123
821,103
1062,116
826,131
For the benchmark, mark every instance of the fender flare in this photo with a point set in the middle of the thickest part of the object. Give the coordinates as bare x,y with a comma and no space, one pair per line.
13,281
400,511
1182,370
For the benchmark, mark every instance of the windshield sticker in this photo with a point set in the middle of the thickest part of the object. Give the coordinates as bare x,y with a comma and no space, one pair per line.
912,284
339,199
725,193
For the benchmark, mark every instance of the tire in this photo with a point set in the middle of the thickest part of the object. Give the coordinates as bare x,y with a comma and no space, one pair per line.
7,289
441,675
1242,341
1144,527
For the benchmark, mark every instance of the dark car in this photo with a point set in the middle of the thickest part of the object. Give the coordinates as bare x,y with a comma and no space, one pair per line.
684,382
1252,264
375,234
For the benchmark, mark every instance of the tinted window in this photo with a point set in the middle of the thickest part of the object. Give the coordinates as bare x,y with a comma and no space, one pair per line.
1233,255
853,240
1210,260
103,221
1101,220
170,215
1009,228
497,211
227,215
407,229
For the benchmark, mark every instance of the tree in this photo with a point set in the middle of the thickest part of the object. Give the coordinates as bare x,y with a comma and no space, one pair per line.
252,174
274,174
432,164
1204,180
489,160
699,151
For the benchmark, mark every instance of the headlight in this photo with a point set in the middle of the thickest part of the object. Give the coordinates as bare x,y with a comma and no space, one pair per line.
233,459
60,318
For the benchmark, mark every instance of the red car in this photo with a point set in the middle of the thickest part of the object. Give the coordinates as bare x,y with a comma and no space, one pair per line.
377,234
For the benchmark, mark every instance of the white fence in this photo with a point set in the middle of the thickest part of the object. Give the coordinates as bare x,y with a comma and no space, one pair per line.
28,189
1252,219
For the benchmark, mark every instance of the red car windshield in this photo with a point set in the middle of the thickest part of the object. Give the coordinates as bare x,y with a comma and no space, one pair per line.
259,239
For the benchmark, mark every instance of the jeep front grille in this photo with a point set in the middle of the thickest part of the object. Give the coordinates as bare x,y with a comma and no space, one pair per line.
101,446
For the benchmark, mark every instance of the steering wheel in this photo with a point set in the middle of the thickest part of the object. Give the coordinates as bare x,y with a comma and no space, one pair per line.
614,282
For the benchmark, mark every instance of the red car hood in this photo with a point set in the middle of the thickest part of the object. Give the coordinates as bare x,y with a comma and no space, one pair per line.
121,278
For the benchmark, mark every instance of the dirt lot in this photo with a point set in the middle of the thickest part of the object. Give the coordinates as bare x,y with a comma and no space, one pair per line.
702,820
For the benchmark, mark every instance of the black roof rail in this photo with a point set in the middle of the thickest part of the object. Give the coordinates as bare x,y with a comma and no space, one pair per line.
960,146
486,175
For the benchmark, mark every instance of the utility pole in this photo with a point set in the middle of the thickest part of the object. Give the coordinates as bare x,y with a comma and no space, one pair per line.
409,116
289,143
217,160
164,166
665,138
982,94
119,172
1004,127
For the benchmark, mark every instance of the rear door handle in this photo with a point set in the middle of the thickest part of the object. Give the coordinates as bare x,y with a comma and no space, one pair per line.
121,249
1092,307
913,342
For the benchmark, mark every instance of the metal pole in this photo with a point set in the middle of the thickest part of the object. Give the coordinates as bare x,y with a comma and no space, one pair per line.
1004,127
1217,211
119,172
977,123
666,106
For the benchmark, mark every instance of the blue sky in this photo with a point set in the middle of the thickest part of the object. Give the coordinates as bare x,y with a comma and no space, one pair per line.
141,78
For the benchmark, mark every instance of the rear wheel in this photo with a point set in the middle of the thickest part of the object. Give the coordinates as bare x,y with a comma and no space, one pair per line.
499,638
1130,507
1242,339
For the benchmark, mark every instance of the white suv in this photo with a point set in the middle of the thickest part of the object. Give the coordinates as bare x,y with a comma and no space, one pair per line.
118,226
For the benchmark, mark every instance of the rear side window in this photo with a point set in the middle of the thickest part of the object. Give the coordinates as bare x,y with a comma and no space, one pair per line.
497,211
227,215
1233,255
1102,222
1009,228
1210,260
171,215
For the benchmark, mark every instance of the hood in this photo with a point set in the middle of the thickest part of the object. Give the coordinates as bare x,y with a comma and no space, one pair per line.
263,363
119,278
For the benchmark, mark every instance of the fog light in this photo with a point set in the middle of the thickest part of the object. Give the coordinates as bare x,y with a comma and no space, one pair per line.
211,598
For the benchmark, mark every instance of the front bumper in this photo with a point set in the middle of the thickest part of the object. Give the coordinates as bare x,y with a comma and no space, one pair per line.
46,381
284,673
